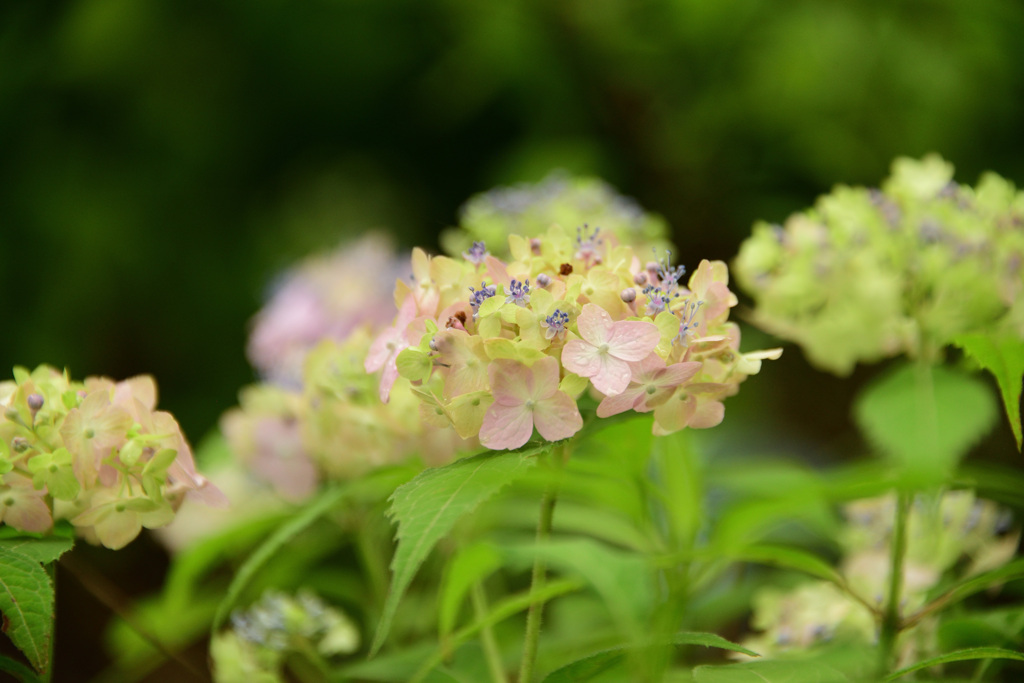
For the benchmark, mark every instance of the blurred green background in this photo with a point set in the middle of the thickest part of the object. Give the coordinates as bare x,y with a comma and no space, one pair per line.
160,163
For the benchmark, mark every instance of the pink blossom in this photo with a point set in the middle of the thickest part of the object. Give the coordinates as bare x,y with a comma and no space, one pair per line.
697,406
384,351
22,506
525,397
607,348
651,385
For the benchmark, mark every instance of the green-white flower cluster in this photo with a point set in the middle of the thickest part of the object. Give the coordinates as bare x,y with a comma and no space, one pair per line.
954,534
332,426
96,453
529,209
872,273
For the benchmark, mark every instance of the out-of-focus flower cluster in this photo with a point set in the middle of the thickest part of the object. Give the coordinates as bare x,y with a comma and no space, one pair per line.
333,426
96,453
262,637
529,209
953,535
498,348
873,273
328,296
317,415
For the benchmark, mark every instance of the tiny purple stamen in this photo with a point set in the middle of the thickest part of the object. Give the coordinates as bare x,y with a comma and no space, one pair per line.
481,295
657,299
587,244
555,324
687,326
476,253
668,275
519,293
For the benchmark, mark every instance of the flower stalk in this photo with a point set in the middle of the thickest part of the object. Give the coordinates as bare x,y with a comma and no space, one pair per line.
535,614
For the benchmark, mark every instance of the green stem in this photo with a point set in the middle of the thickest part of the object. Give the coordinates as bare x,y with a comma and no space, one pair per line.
487,639
536,611
891,626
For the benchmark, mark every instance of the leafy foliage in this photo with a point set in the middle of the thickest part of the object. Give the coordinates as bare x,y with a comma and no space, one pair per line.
588,667
427,508
1003,356
926,418
27,594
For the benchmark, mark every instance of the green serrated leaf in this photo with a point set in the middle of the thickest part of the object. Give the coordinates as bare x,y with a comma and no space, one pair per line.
586,668
470,565
1004,358
926,418
42,550
427,508
287,531
958,656
770,672
26,601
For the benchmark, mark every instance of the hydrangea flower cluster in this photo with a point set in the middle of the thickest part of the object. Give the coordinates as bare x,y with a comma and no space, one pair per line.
873,273
955,531
332,425
327,296
96,453
530,209
263,636
498,349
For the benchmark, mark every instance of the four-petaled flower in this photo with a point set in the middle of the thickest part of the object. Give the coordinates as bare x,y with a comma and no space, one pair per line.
524,398
607,348
652,384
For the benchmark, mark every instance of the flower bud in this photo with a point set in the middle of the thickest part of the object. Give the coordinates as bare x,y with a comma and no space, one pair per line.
628,295
640,279
35,402
543,280
535,246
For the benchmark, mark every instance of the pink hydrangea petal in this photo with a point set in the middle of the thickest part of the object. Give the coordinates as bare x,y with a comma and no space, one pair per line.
620,403
557,417
29,513
387,380
511,382
717,300
581,358
708,414
497,271
594,324
678,373
506,427
545,378
633,340
674,414
381,349
648,368
612,377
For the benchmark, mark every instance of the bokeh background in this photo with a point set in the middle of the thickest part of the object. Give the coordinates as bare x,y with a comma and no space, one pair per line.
162,163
